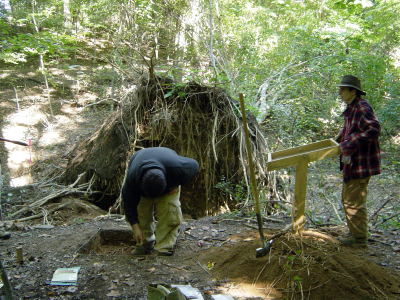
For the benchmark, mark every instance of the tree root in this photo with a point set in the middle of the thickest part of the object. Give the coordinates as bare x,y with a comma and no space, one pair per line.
65,190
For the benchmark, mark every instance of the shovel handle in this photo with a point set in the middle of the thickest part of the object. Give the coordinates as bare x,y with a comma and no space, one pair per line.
14,142
252,174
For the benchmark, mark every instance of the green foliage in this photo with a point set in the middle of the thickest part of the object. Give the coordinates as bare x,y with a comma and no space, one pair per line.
79,221
390,219
18,39
176,88
286,56
387,223
237,192
350,6
32,44
294,281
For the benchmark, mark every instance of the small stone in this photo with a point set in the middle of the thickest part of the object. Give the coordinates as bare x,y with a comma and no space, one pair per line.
72,289
113,293
396,249
44,226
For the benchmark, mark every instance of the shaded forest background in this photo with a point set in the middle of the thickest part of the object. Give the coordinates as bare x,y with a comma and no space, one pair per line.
285,56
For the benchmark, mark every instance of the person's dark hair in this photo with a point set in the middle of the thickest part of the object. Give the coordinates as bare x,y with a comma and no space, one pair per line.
358,92
153,183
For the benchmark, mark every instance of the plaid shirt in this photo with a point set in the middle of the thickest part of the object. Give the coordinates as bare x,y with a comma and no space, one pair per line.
359,139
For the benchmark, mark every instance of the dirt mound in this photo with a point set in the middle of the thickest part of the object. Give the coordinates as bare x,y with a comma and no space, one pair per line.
301,268
215,256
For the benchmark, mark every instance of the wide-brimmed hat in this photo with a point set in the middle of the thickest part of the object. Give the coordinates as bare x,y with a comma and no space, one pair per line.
352,81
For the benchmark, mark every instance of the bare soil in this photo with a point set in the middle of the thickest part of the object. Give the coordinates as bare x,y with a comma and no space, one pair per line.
214,254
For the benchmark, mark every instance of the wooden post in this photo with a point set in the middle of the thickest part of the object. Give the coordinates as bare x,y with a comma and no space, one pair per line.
300,190
20,258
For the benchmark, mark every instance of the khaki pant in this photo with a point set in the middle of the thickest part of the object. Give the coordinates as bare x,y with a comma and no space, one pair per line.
164,231
354,198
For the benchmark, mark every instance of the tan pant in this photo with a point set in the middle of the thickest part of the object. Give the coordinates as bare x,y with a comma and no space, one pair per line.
354,198
164,231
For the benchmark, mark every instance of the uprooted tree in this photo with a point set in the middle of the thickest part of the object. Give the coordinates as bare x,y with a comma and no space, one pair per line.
200,122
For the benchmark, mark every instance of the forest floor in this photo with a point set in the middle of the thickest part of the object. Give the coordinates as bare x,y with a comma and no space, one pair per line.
216,254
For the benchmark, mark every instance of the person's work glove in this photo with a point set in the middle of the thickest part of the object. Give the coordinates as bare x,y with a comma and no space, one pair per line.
346,159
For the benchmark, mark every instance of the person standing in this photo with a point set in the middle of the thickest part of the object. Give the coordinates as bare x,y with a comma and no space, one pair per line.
360,157
150,197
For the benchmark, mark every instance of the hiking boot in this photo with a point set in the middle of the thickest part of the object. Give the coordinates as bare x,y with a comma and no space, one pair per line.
141,250
353,241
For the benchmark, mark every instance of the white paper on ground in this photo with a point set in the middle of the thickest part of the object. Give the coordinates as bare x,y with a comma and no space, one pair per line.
222,297
65,276
189,291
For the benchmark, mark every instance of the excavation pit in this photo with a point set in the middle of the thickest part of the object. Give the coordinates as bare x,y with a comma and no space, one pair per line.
109,242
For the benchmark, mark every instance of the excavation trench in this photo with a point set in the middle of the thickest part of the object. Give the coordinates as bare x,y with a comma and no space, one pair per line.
109,242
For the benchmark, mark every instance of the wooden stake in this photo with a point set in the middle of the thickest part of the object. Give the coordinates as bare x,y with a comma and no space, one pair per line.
20,258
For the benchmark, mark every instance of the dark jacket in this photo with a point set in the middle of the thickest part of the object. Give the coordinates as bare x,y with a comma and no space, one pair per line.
178,170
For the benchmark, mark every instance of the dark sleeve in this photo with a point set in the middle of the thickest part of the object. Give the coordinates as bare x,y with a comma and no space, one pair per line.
189,171
130,200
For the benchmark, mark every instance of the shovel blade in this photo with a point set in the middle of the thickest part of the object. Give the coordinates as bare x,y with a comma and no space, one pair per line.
264,251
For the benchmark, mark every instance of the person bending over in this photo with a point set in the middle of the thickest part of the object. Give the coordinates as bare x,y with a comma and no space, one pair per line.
150,197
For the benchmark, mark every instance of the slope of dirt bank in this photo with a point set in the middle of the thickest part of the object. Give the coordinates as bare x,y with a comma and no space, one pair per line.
216,256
